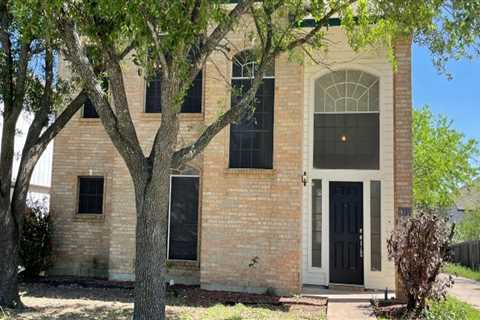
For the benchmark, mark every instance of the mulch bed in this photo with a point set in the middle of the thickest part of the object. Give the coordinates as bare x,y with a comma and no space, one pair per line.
192,294
200,296
84,282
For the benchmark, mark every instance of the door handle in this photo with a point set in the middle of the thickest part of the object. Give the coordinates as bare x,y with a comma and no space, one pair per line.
361,245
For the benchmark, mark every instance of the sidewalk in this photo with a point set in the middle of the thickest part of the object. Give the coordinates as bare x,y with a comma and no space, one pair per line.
466,290
345,305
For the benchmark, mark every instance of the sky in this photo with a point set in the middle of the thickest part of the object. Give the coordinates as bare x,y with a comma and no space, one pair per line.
458,99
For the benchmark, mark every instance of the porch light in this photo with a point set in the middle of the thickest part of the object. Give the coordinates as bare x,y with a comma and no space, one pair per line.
343,138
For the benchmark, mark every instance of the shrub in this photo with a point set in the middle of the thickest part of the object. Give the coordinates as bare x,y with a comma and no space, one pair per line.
35,243
419,247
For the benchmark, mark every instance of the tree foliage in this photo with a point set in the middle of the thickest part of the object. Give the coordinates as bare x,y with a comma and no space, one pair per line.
469,227
419,247
444,160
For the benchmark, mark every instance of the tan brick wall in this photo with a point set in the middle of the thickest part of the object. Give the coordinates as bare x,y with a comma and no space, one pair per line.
403,132
81,242
255,213
403,124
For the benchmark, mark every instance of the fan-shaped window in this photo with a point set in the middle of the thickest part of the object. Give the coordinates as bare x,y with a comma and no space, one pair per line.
346,121
251,139
347,91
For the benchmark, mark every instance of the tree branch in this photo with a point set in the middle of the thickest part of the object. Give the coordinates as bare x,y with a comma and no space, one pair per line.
127,145
60,121
196,11
320,24
21,76
126,51
8,89
35,146
233,114
217,35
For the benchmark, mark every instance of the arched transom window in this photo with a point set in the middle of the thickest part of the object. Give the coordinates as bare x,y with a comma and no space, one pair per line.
347,91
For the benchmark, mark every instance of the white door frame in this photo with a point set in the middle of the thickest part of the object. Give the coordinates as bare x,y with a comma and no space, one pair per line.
321,276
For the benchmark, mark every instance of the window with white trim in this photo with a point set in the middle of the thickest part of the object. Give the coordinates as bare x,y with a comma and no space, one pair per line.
251,139
346,121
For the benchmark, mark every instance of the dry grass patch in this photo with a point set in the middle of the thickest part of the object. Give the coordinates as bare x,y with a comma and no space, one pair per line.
62,302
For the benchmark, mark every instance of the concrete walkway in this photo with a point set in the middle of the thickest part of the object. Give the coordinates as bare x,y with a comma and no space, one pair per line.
466,290
345,304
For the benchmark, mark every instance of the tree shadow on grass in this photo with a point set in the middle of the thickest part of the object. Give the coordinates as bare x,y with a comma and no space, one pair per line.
73,301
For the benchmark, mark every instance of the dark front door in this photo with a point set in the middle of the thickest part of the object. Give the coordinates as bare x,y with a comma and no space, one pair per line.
346,232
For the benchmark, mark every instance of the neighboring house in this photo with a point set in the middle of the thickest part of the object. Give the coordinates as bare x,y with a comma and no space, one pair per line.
469,199
41,178
306,193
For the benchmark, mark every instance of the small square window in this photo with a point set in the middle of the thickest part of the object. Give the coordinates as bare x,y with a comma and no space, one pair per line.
90,195
192,102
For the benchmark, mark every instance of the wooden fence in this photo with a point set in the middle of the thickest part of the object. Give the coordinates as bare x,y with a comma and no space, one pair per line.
467,254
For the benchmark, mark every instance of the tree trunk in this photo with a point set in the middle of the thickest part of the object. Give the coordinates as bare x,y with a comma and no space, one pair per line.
411,302
9,297
152,196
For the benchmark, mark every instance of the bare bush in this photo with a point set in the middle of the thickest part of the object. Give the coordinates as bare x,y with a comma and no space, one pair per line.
419,248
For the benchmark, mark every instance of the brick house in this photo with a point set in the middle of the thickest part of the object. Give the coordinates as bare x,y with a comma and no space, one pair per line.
305,193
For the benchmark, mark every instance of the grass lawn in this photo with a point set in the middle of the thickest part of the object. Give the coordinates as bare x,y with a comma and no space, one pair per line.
449,309
72,302
452,309
462,271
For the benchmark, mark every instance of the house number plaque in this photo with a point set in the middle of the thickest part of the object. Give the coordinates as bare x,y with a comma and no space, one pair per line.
404,211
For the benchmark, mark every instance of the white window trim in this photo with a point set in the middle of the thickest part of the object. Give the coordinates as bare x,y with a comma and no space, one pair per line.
321,276
169,208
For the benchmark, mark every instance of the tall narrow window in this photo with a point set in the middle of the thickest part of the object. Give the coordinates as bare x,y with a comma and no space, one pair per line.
346,121
90,195
251,139
183,230
317,223
89,110
192,102
376,225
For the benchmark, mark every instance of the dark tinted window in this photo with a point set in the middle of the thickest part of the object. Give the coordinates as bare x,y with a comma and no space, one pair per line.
183,219
191,104
251,139
89,109
346,141
94,56
90,199
376,225
317,223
